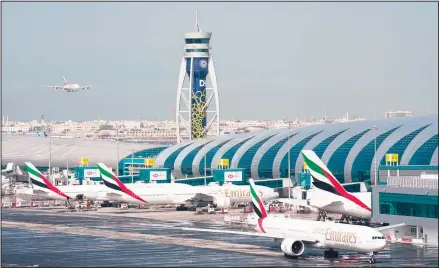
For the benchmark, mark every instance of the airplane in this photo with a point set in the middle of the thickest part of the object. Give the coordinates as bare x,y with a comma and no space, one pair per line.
9,168
43,188
8,172
179,194
70,87
294,234
328,195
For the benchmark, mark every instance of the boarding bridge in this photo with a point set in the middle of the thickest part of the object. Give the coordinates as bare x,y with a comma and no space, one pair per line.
413,182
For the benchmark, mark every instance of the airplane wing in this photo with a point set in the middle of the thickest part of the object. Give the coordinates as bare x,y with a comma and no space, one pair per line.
389,227
110,195
200,196
302,237
85,87
298,202
56,87
196,197
301,202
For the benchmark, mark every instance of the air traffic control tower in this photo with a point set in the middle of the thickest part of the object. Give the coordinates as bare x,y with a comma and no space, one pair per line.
197,94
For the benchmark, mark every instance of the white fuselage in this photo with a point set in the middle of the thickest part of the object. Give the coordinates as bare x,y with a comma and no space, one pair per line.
322,200
72,86
328,234
92,192
176,193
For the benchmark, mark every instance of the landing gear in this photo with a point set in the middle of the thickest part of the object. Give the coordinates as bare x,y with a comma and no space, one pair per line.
331,253
372,259
68,202
344,219
322,214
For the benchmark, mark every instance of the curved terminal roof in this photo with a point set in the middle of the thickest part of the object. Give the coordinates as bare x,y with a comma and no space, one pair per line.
347,148
22,148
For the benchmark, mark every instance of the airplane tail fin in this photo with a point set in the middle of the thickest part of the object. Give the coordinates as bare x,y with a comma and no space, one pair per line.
65,81
321,176
39,180
18,171
258,205
113,182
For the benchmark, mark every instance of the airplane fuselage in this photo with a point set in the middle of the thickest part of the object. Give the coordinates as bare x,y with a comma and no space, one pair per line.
338,204
92,192
328,234
170,193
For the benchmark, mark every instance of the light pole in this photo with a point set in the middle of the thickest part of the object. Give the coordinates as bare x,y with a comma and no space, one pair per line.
132,165
374,155
205,170
289,163
50,153
117,146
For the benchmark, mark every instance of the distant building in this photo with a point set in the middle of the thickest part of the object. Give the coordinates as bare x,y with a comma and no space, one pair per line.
398,114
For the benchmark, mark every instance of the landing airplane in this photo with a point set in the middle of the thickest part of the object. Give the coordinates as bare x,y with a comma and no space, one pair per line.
295,234
70,87
179,194
328,195
43,188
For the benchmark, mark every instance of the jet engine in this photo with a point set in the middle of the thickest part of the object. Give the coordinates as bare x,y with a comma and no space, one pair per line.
221,202
292,247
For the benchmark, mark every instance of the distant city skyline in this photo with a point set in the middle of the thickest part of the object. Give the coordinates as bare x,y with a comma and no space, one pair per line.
273,60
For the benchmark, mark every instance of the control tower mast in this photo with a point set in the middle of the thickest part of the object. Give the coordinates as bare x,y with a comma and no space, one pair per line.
196,101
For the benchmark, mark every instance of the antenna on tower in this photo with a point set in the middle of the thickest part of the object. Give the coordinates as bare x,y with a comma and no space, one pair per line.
197,27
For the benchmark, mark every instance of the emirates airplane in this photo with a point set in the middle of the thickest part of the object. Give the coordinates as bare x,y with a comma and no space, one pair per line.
295,234
70,87
328,195
43,188
178,193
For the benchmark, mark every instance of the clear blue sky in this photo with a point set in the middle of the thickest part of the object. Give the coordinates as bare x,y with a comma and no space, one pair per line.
273,60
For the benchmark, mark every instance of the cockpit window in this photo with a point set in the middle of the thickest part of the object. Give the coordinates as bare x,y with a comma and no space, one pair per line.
378,237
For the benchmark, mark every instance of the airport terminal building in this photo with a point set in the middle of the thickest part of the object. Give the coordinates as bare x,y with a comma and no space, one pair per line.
347,148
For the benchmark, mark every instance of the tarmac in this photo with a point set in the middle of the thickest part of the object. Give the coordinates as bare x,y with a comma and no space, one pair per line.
133,237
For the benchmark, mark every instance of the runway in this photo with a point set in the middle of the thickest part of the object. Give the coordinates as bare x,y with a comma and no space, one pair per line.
46,239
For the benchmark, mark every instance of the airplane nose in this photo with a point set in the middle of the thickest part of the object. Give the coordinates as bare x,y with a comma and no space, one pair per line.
383,243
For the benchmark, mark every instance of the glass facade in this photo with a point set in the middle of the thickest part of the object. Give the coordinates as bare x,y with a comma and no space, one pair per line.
186,164
247,157
265,168
197,50
197,41
363,162
425,206
209,158
294,154
321,147
338,159
424,154
400,146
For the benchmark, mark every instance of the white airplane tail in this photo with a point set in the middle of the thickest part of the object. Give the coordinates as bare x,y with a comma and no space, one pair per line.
65,81
113,182
323,179
40,181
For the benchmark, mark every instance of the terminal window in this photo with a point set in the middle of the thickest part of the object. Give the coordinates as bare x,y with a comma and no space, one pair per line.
197,50
425,206
197,41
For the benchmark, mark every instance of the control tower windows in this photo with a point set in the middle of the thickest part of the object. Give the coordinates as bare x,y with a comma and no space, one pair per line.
197,50
197,41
